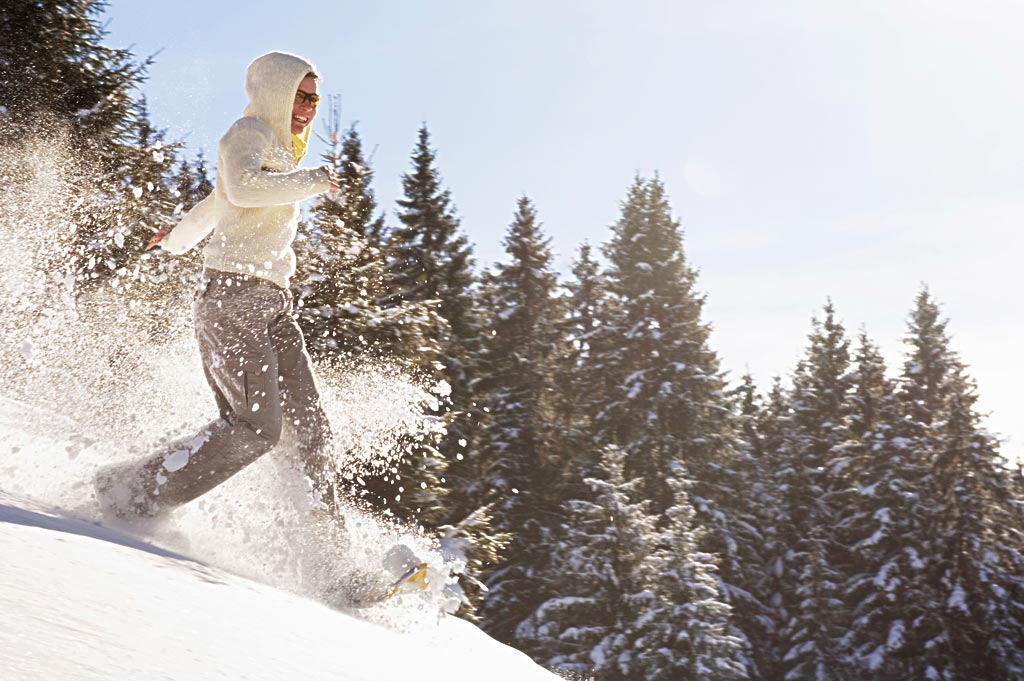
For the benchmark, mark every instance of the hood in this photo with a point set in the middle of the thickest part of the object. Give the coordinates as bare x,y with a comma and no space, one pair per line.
270,84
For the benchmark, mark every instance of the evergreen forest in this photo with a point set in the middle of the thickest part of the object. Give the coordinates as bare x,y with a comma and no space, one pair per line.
631,511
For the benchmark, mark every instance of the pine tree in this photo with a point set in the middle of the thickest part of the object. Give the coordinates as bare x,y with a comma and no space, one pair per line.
430,263
63,88
662,397
968,628
339,289
515,460
577,378
429,259
340,272
771,424
883,525
752,586
55,71
814,447
686,634
192,182
604,575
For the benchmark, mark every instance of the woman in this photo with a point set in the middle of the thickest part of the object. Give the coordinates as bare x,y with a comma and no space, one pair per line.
252,350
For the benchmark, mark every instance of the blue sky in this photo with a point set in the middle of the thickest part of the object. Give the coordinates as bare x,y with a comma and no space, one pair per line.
811,149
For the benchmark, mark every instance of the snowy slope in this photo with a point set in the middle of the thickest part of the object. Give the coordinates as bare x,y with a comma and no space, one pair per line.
80,601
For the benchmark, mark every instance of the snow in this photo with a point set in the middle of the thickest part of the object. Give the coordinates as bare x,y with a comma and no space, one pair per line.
220,593
896,632
176,460
957,599
82,601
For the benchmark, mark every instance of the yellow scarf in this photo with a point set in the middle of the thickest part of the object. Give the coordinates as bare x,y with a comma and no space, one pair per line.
299,144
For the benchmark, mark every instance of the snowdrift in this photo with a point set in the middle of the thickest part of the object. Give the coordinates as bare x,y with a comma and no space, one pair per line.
80,601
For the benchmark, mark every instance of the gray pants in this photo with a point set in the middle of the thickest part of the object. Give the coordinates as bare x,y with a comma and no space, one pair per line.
256,362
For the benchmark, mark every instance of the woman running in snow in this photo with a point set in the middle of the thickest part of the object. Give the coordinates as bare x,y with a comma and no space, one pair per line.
252,350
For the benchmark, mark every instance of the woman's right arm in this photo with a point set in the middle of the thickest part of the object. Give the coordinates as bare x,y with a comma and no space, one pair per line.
192,228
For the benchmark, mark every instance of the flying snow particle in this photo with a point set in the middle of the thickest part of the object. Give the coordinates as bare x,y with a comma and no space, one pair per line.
137,192
27,349
158,156
175,461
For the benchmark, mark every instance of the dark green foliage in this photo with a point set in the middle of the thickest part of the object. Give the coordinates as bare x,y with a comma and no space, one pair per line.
605,578
883,525
340,279
970,626
429,259
662,397
55,70
66,94
813,477
340,291
516,458
687,633
577,373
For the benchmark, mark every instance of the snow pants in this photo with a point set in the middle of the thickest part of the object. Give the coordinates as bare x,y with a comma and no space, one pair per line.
255,360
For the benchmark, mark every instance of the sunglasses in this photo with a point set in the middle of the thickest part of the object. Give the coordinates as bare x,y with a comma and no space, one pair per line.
307,98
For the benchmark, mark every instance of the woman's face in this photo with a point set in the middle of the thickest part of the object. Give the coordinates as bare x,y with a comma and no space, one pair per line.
304,109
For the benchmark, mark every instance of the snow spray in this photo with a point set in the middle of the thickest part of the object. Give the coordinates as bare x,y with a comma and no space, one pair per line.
101,376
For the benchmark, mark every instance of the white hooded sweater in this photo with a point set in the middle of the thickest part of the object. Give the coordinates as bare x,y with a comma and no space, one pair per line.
254,208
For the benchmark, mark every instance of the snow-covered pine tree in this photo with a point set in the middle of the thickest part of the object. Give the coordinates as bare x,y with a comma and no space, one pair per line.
685,635
923,393
61,86
971,627
814,476
339,273
191,183
149,203
331,259
339,287
430,261
516,461
604,579
662,396
756,515
883,524
771,423
576,378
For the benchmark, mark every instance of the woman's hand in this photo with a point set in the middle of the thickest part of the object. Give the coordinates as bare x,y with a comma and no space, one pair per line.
157,238
332,177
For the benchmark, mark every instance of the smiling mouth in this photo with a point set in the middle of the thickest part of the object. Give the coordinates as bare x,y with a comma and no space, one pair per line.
301,120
